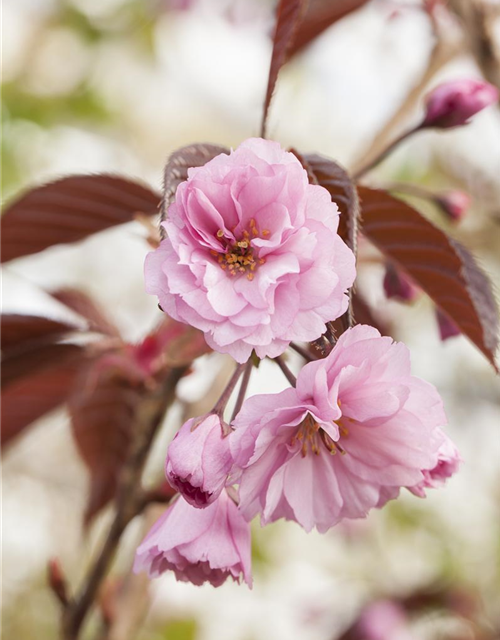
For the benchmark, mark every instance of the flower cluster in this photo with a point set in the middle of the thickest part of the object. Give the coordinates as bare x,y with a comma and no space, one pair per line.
254,260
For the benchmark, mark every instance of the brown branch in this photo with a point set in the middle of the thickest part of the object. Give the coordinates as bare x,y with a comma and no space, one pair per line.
444,50
478,19
286,371
129,500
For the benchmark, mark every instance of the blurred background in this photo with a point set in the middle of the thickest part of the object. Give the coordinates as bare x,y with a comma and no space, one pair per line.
117,85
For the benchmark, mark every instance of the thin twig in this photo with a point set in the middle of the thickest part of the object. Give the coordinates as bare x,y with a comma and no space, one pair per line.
307,355
288,374
478,20
150,417
243,389
444,50
376,160
221,403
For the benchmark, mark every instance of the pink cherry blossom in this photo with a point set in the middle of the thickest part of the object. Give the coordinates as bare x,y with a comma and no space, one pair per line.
252,257
447,465
198,545
453,103
357,428
198,460
384,620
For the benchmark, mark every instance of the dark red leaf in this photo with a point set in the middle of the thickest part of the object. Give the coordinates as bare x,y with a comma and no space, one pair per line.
102,412
288,16
32,396
20,330
176,169
364,314
82,304
23,362
71,209
336,180
320,15
31,344
444,269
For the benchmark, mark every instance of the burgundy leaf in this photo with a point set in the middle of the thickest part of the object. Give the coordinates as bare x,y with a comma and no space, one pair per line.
31,344
444,269
364,314
32,396
103,411
24,362
20,330
71,209
320,15
82,304
336,180
176,170
288,16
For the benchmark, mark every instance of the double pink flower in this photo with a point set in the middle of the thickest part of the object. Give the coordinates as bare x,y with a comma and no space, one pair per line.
357,428
252,256
198,545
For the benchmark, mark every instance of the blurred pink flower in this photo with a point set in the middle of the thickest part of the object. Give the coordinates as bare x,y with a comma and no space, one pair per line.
398,285
357,428
447,465
383,620
454,204
198,545
452,103
198,460
252,258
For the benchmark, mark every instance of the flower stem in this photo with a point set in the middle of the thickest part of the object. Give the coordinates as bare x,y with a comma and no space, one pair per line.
302,352
243,389
149,419
221,403
386,152
288,374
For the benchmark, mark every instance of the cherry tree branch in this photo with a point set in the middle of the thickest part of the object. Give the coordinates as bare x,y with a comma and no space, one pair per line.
478,20
286,371
443,51
129,500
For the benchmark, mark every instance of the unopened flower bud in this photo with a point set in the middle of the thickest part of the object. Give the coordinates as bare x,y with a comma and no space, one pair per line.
454,204
453,103
447,328
198,460
398,286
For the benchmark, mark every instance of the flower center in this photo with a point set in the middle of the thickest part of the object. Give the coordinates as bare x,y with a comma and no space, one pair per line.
238,257
310,434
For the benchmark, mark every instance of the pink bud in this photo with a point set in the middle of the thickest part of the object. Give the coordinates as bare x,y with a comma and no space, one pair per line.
397,285
454,204
452,104
198,460
447,328
198,545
